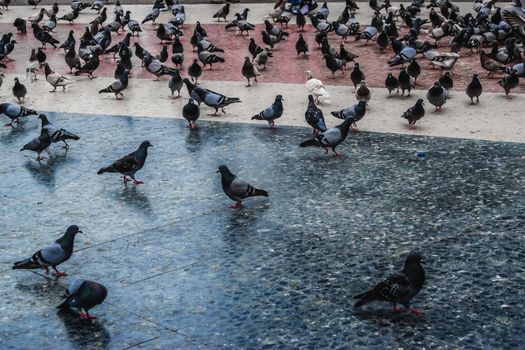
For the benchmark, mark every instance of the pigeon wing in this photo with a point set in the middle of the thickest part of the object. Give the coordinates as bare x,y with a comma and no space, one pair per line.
330,136
395,287
53,254
126,164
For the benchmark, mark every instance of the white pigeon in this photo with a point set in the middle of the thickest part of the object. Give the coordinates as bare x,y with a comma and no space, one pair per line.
316,88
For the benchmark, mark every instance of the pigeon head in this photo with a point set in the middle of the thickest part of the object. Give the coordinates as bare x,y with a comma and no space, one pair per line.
310,98
73,230
414,258
356,65
43,118
247,59
362,103
223,169
363,83
279,98
309,74
145,144
420,102
16,80
475,76
437,84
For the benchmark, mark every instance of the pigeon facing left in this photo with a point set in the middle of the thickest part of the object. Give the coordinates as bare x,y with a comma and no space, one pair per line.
52,255
271,113
38,144
129,164
399,288
83,295
237,189
55,133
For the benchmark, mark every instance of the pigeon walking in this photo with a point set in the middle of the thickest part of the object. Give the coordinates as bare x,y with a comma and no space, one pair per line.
391,83
398,288
357,75
191,113
129,164
52,255
414,113
55,79
15,112
314,116
38,144
355,113
195,71
209,97
331,138
271,113
223,12
118,86
301,46
315,87
157,68
82,296
55,133
237,189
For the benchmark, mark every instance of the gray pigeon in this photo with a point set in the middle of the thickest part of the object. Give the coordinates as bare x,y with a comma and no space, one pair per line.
52,255
330,138
398,288
82,295
129,164
237,189
175,84
271,113
158,68
355,113
210,98
15,112
19,91
55,133
191,113
474,89
118,86
437,96
38,144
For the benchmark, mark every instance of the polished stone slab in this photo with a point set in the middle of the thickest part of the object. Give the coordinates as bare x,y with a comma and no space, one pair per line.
185,271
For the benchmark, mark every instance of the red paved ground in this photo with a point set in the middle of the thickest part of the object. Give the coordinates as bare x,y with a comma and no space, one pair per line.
284,67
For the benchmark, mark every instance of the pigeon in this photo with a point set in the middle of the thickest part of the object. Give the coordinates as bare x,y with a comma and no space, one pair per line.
19,91
83,295
38,144
207,57
177,53
129,164
223,12
437,96
300,21
72,60
446,64
36,17
70,16
274,30
330,138
91,65
334,64
154,13
414,113
15,112
237,189
363,92
490,64
346,56
414,70
175,84
41,56
357,76
355,113
263,57
117,86
55,133
20,25
405,55
391,83
69,42
382,41
43,36
191,113
271,113
474,89
249,70
270,39
316,88
446,81
314,116
50,24
301,46
509,82
118,9
209,97
133,26
158,68
52,255
398,288
404,82
195,71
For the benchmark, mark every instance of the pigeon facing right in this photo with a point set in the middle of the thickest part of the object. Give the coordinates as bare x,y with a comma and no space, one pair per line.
52,255
314,116
331,137
400,287
414,113
129,164
83,295
237,189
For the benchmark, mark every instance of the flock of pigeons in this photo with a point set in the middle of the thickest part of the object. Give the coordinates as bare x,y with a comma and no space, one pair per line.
502,30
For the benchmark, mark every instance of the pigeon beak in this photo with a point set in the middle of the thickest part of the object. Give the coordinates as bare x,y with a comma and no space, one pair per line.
80,231
217,171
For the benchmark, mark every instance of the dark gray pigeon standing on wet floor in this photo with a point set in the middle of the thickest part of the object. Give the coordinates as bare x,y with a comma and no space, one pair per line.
398,288
55,133
191,113
38,144
237,189
129,164
271,113
81,296
414,113
52,255
331,138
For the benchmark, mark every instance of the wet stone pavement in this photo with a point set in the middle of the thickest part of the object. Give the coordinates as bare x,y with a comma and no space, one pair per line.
184,271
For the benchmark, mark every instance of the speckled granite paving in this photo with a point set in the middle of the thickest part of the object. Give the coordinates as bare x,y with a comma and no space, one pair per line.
184,271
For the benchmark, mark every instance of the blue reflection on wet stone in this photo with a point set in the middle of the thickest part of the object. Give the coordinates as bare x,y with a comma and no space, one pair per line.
184,271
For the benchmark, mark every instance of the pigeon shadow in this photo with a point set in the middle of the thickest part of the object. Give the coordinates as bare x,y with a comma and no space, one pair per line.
133,197
13,135
44,171
245,218
84,334
384,317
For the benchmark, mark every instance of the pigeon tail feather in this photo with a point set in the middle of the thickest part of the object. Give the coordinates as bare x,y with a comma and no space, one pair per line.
365,297
108,169
25,264
312,142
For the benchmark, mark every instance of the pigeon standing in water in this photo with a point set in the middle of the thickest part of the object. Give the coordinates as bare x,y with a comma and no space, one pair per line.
414,113
55,133
191,113
130,164
437,96
237,189
314,116
38,144
331,137
271,113
52,255
15,112
474,89
400,287
83,295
